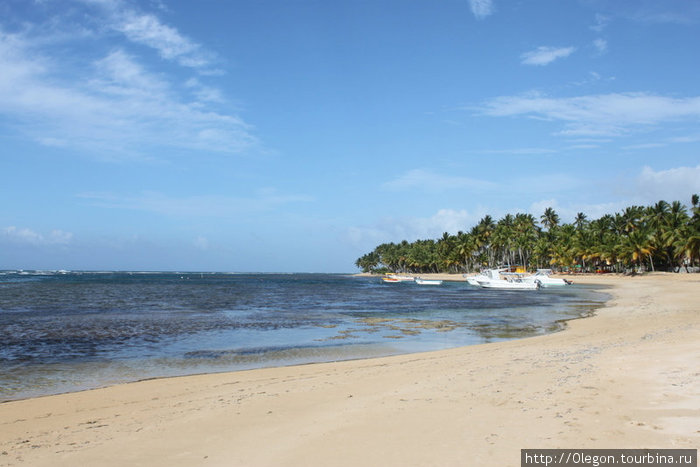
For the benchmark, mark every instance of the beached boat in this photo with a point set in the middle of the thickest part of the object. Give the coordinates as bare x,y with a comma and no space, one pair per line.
542,276
428,281
493,280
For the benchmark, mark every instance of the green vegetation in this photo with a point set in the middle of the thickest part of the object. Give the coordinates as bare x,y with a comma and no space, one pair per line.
659,237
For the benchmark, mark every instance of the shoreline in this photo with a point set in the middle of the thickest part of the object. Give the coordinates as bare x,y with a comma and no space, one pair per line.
624,377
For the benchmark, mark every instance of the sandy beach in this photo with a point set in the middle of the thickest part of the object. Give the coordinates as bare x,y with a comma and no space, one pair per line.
628,377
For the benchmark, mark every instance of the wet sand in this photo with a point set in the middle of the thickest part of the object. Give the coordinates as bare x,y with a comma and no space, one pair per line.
628,377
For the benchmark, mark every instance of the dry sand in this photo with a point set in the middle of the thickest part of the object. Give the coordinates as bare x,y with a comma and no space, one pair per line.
626,378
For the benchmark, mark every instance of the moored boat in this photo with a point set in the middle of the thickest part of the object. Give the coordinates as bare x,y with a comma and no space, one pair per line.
542,276
395,278
428,281
485,275
493,280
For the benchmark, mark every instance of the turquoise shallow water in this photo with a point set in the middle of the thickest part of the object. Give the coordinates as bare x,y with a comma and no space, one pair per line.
66,331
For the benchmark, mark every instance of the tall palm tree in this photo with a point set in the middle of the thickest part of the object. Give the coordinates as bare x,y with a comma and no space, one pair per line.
549,219
581,221
689,248
563,250
484,231
502,239
696,212
526,232
631,218
466,247
636,246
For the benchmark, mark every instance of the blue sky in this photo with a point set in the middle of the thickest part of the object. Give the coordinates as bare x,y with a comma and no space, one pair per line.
295,136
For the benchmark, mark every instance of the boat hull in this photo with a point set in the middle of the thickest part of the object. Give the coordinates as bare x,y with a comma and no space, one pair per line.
428,282
507,285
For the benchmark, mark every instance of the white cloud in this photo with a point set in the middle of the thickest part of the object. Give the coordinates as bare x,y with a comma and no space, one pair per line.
421,179
601,22
481,8
204,93
194,206
147,29
114,108
597,115
28,236
675,184
646,187
601,45
391,229
119,74
545,55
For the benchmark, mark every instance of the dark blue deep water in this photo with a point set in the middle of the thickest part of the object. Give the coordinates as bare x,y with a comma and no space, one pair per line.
65,331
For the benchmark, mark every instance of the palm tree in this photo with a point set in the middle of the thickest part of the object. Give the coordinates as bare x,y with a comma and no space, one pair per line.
631,218
503,238
526,232
466,247
675,233
446,251
696,212
563,249
484,230
549,219
636,246
368,262
581,221
584,245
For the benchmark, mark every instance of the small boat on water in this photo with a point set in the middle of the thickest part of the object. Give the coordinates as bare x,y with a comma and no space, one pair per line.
428,281
485,275
395,278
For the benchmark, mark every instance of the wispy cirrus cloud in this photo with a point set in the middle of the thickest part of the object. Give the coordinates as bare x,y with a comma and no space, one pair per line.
597,115
112,107
601,22
601,45
201,206
545,55
111,100
481,8
28,236
148,30
171,45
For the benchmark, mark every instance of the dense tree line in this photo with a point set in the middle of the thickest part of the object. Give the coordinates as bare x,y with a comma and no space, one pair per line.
664,236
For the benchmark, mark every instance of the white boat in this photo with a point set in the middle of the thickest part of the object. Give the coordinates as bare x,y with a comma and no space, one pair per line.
542,276
486,275
492,280
394,278
428,281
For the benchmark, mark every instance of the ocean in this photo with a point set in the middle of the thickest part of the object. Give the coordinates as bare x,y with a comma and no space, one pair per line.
67,331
